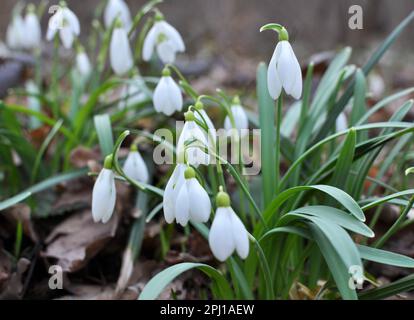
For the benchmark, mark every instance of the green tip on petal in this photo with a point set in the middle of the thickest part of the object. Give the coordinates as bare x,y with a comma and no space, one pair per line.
108,161
189,115
166,72
189,173
133,147
222,199
199,105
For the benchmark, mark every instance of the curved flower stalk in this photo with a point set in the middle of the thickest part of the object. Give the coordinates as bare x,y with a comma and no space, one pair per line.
227,232
120,51
135,167
191,143
241,122
15,35
164,39
66,23
171,192
83,64
32,29
117,9
191,201
167,95
104,193
284,70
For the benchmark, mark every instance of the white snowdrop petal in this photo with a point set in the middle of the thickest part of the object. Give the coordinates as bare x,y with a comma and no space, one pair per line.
285,66
200,205
212,133
274,84
240,236
103,196
135,167
170,193
173,35
117,8
240,117
296,87
149,43
66,36
182,205
72,20
175,94
166,51
83,64
194,154
32,30
55,22
111,203
167,96
220,237
120,52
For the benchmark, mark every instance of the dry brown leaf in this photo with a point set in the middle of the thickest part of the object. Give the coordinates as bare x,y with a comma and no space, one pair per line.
78,239
80,156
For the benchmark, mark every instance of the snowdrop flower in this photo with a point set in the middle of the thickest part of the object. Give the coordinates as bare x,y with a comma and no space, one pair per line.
32,30
171,192
66,23
15,34
117,9
201,115
165,39
341,123
284,70
192,202
83,64
135,167
167,95
241,122
104,193
227,232
120,51
191,142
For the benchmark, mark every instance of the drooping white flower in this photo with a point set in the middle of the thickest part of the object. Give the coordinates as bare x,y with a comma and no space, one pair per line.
104,193
165,40
32,29
66,23
227,232
117,9
120,52
284,70
167,95
135,167
171,192
15,35
83,64
132,92
241,122
192,143
341,123
192,202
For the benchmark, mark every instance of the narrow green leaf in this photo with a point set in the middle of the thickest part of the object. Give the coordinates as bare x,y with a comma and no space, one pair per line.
14,200
155,286
385,257
104,132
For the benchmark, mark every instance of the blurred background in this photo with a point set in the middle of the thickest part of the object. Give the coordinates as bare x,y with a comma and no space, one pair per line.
223,39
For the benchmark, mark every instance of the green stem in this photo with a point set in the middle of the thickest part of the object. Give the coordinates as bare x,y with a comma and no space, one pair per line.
278,124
